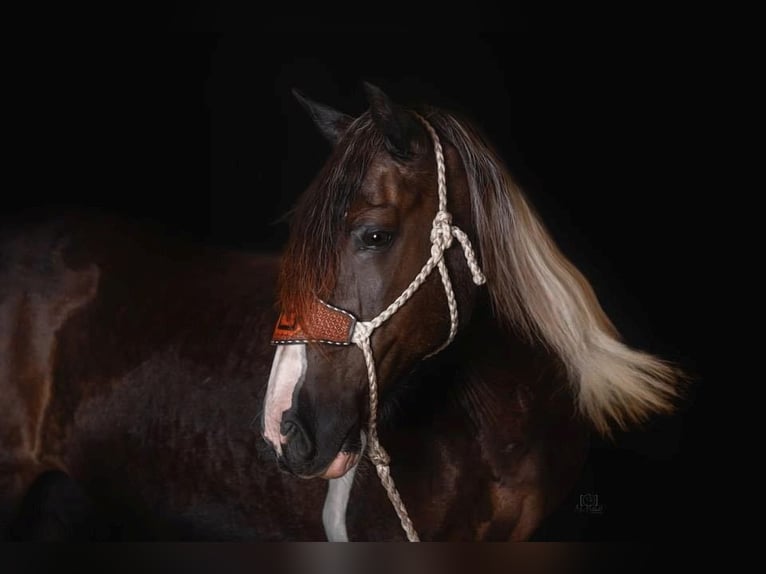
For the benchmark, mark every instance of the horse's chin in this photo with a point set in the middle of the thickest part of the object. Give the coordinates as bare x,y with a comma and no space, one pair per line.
348,456
344,461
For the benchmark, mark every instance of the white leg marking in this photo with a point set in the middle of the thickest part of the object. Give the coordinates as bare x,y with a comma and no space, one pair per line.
287,372
336,502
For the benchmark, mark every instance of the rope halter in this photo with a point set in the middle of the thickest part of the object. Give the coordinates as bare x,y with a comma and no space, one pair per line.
334,326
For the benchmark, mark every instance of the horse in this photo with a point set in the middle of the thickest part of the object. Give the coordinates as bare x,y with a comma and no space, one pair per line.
141,399
489,381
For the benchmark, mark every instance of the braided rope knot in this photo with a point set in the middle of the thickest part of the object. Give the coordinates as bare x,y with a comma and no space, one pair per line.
378,455
362,332
441,233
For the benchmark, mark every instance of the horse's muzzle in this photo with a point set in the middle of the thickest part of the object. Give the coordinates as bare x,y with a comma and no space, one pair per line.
301,457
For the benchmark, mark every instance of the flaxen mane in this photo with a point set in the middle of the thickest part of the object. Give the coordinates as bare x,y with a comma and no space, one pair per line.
534,287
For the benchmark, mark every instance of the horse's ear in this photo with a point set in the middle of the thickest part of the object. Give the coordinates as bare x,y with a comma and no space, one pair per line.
399,128
330,122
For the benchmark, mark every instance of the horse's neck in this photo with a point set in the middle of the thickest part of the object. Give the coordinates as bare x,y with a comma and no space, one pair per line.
489,377
504,379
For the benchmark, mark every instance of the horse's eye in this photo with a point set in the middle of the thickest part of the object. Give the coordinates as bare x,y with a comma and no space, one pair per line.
376,239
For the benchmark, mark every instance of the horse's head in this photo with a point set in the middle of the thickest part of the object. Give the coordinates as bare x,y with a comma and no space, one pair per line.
360,235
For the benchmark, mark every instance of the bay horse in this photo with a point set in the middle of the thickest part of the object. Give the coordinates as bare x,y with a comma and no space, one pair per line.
485,390
141,398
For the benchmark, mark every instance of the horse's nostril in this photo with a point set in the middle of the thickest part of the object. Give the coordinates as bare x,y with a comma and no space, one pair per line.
289,428
298,448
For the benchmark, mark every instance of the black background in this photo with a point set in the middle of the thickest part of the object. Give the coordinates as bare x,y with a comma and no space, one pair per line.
183,115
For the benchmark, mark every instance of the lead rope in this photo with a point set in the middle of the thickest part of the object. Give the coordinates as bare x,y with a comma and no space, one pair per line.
442,235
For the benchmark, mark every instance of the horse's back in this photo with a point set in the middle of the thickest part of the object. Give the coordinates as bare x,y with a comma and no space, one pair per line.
131,360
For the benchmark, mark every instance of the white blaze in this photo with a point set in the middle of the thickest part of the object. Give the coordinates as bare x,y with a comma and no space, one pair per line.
287,372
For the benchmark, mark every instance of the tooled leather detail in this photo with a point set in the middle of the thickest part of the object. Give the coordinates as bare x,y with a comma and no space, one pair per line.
328,325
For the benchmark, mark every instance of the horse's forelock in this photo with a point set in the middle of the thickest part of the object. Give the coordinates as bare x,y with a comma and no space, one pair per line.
310,262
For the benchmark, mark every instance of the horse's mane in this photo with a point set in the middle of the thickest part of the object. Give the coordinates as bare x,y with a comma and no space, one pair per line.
536,289
533,287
